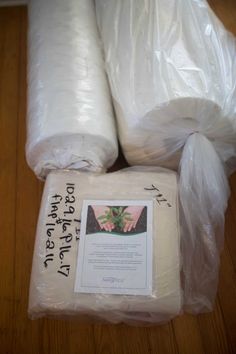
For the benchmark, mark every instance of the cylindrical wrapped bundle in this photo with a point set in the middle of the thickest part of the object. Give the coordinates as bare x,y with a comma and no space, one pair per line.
170,63
70,116
172,68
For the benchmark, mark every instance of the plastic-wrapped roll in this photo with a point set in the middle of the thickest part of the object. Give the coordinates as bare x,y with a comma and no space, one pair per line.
171,66
70,116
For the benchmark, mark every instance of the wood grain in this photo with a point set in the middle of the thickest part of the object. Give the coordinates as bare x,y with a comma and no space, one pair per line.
213,332
9,77
20,195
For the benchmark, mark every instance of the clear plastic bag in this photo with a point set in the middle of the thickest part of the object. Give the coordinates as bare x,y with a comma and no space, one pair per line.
169,62
53,290
171,66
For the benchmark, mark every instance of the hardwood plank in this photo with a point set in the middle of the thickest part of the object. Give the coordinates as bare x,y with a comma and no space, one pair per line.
105,340
227,278
81,338
230,224
187,334
162,339
230,227
213,333
226,11
120,339
227,296
9,58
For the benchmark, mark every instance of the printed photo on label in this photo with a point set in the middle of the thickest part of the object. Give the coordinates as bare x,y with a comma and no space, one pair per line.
115,252
122,220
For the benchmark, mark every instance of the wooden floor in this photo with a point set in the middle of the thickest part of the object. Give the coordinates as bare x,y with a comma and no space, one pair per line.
20,194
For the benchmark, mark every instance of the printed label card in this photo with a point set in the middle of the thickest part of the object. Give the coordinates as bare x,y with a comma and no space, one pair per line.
115,251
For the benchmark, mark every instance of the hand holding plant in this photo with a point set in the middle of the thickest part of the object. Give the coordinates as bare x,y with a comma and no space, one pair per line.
101,212
134,212
112,217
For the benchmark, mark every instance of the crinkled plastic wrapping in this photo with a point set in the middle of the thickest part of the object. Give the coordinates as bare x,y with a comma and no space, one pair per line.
52,293
70,116
169,62
172,68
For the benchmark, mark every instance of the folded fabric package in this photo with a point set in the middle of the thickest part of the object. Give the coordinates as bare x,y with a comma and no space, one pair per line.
53,294
171,66
70,116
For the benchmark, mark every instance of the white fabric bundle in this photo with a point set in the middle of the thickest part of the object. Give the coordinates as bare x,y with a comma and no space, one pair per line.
53,294
70,117
172,68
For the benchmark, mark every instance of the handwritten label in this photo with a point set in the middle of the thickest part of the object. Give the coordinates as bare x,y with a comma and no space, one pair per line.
157,194
62,228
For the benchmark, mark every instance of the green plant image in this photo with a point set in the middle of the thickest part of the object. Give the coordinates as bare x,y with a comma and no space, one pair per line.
117,216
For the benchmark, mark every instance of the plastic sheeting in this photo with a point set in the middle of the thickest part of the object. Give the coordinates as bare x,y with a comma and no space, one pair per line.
70,117
169,63
172,68
52,291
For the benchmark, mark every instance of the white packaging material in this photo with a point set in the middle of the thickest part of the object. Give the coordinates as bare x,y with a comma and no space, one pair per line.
172,68
53,278
169,62
70,116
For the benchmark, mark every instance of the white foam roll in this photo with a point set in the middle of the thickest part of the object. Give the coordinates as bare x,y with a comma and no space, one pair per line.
169,62
70,117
